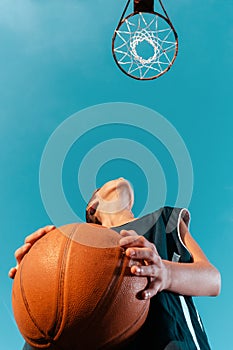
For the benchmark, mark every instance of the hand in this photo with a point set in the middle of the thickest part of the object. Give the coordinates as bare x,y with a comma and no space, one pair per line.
140,249
28,243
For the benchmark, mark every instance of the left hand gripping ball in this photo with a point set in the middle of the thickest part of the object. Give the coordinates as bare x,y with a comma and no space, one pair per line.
74,291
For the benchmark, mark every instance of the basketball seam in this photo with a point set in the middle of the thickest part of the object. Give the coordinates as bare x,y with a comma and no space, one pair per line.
26,304
102,305
60,294
113,288
59,305
144,310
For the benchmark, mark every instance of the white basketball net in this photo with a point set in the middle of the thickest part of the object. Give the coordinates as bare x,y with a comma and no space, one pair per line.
158,45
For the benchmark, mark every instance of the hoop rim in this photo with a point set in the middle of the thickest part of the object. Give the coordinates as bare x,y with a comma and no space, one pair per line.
175,36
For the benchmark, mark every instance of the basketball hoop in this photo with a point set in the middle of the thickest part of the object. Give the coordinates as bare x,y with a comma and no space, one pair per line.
145,43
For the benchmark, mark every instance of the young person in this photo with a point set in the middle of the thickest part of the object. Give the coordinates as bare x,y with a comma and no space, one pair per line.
176,267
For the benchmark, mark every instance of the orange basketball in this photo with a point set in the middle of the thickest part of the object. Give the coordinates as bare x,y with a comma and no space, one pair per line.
74,291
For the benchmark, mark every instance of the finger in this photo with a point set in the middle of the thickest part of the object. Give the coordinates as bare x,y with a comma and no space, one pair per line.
145,269
20,252
149,255
33,237
12,272
152,289
125,233
134,241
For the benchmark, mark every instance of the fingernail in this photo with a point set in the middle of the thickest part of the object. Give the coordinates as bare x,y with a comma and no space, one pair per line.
146,295
131,252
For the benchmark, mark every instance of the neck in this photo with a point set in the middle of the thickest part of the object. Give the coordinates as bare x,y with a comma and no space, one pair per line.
117,219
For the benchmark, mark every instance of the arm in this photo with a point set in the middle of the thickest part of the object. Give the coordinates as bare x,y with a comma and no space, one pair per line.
28,243
197,278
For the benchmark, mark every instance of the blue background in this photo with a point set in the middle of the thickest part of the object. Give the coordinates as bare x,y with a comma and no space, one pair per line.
55,61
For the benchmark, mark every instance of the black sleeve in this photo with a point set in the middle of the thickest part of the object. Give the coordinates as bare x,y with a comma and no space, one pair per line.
176,249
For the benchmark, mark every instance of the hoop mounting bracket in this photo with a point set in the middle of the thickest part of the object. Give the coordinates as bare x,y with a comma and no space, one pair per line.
143,5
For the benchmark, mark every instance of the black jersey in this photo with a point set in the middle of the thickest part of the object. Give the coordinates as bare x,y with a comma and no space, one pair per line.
173,322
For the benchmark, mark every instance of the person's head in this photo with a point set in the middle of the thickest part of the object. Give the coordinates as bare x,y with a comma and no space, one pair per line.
113,198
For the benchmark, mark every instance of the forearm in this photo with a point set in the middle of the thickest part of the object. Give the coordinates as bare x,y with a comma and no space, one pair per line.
196,279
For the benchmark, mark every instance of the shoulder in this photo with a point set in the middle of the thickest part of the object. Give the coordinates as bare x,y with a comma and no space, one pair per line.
174,217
